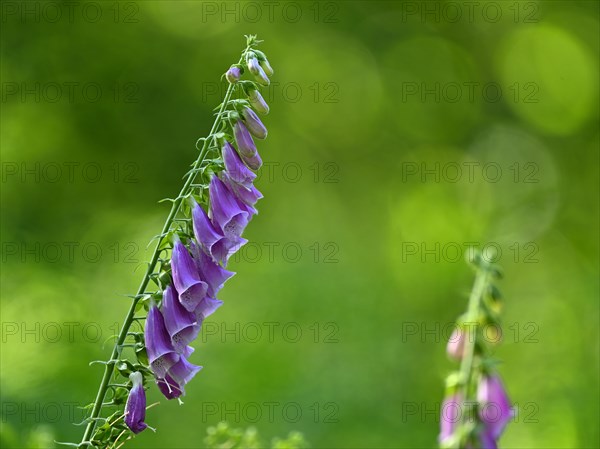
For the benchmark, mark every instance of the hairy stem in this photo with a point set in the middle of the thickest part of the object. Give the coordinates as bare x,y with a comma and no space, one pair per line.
110,365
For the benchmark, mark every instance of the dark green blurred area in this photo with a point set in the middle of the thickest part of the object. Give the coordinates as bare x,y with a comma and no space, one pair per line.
364,94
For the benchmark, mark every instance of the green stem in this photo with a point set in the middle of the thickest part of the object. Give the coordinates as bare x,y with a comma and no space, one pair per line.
470,336
109,367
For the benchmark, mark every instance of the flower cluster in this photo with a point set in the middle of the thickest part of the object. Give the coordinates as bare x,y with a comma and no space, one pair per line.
190,280
476,409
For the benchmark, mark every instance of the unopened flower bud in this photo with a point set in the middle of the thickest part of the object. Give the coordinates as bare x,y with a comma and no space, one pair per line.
254,161
245,143
258,102
264,62
267,67
456,344
253,66
233,74
261,77
135,408
253,123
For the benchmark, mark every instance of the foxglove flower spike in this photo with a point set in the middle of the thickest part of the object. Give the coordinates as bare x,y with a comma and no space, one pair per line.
189,282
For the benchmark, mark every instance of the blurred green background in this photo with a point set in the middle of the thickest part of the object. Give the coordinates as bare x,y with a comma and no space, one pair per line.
399,133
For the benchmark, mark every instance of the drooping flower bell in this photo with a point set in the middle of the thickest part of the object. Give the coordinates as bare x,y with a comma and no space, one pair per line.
226,212
187,281
172,386
247,195
236,169
169,388
495,410
183,371
450,417
135,407
182,325
246,147
213,241
245,143
234,74
207,307
254,124
160,350
212,273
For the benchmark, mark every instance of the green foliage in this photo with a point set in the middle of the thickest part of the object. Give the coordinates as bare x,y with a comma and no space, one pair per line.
222,436
40,437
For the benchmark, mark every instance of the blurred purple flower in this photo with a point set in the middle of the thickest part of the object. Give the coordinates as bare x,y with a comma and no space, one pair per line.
187,281
161,353
181,324
135,407
487,440
451,415
456,344
495,410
